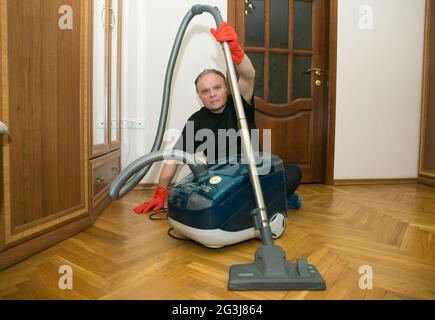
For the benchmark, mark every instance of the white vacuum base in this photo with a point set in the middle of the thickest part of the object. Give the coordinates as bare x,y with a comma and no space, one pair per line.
214,238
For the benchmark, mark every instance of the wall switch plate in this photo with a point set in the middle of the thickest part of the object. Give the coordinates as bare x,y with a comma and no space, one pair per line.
133,124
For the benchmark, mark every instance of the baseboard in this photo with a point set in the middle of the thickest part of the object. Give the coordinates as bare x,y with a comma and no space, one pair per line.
354,182
11,256
426,180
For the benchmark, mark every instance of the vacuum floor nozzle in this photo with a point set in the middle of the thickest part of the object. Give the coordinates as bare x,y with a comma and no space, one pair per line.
272,272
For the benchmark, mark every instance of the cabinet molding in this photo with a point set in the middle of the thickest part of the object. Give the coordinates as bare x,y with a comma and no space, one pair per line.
24,250
33,109
106,167
115,144
112,84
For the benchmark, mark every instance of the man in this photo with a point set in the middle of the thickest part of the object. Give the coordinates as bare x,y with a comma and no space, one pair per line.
219,113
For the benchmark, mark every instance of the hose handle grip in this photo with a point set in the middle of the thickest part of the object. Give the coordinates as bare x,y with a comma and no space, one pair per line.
214,11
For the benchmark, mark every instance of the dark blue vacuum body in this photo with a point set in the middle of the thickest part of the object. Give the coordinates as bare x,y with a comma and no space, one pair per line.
216,210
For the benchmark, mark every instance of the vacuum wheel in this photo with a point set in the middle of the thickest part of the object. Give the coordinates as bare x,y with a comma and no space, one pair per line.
278,222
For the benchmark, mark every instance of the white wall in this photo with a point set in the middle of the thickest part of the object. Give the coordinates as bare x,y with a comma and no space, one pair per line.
134,93
150,28
379,84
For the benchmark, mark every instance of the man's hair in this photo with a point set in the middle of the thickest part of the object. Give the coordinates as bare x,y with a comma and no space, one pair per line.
207,71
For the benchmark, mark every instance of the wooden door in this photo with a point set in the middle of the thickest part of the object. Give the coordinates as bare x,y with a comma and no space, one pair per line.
427,148
43,54
287,43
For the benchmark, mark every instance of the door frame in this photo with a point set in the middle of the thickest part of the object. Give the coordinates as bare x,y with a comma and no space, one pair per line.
331,77
426,175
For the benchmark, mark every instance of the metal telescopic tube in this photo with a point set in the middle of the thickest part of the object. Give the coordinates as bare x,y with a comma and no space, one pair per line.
266,233
253,172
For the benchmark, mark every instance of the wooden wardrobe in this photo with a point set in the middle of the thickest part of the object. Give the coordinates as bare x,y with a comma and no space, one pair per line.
53,181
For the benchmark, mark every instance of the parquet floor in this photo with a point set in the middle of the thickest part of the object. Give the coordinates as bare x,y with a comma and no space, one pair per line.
390,228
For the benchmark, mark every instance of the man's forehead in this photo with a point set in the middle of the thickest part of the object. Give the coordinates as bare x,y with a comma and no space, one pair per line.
210,79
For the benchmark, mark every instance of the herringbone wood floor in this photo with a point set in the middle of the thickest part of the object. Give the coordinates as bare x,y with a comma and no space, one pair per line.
390,228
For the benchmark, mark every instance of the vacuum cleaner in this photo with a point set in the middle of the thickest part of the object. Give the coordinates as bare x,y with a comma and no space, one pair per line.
216,210
224,204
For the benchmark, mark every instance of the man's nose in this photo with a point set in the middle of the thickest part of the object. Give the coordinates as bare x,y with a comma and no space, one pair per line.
212,92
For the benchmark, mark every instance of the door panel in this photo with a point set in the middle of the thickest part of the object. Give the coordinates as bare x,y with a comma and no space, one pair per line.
106,51
100,88
43,102
115,72
298,133
286,41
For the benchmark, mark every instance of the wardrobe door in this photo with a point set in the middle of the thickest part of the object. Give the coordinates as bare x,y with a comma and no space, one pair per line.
115,72
43,81
99,79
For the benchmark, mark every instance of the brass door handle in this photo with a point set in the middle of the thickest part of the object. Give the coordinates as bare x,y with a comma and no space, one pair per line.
318,71
113,18
3,128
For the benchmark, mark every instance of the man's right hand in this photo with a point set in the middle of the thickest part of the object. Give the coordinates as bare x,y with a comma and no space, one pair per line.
156,204
226,33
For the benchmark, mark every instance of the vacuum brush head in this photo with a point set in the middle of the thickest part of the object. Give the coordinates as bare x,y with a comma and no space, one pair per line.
272,272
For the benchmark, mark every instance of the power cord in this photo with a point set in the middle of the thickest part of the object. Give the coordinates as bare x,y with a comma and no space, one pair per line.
165,210
175,237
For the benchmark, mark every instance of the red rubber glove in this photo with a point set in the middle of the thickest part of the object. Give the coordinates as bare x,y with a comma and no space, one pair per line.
226,33
155,204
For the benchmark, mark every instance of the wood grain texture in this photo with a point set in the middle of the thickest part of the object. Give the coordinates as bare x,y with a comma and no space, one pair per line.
330,116
339,229
11,256
44,101
4,102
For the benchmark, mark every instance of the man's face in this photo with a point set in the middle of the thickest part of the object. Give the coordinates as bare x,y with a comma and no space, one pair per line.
212,92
